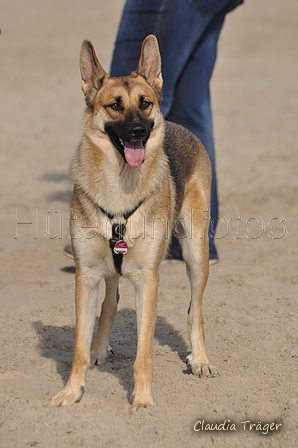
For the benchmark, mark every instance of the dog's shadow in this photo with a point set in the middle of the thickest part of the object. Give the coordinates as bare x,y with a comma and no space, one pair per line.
57,343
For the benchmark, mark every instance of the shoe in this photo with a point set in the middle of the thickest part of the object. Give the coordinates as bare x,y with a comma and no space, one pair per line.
68,251
213,259
175,253
213,256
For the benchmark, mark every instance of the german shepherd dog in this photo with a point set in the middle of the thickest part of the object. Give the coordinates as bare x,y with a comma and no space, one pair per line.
136,179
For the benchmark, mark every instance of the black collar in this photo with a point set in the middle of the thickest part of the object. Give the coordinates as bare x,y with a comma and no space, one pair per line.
125,215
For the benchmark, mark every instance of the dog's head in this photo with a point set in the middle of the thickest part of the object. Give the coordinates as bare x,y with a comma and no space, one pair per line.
127,108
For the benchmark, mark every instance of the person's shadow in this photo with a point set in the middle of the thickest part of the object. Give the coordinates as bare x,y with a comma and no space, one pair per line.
57,343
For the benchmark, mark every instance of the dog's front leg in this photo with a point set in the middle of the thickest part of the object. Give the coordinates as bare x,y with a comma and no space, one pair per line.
146,304
100,344
86,300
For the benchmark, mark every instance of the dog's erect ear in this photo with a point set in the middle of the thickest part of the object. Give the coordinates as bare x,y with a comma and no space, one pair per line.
150,64
91,71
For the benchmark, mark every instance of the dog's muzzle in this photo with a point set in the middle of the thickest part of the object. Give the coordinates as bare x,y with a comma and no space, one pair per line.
130,140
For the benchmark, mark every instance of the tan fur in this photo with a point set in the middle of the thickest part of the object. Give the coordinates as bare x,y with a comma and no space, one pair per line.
102,179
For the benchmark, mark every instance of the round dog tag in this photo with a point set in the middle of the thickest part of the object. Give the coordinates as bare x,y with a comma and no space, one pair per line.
120,247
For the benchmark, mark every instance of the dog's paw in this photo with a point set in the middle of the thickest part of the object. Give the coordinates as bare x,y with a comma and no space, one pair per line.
98,358
137,404
201,369
67,396
141,400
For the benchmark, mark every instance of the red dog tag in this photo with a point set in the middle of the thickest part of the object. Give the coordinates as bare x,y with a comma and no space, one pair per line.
120,247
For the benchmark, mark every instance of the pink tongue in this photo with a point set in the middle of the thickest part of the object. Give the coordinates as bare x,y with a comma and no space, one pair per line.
134,153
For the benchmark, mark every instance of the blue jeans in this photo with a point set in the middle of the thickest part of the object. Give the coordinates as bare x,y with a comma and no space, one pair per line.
188,47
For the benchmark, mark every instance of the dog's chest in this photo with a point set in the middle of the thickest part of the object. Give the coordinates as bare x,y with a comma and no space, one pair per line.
118,192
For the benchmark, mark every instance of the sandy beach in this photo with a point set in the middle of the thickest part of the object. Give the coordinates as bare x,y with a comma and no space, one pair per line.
250,303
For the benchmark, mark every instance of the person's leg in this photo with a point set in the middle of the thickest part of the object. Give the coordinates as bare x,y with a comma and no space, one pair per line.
178,28
191,105
139,19
187,43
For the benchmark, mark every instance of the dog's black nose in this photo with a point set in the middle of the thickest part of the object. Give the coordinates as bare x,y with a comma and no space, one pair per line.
137,131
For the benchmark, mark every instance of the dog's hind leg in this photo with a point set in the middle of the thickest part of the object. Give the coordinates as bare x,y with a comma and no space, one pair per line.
100,346
86,301
196,255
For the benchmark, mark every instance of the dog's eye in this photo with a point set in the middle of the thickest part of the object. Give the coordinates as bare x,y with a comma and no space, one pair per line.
115,106
144,104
